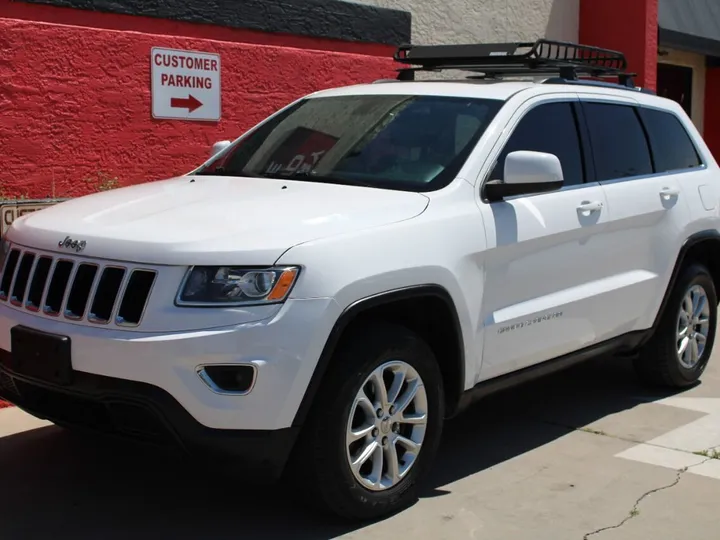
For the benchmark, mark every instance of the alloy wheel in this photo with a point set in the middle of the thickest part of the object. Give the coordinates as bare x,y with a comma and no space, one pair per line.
386,426
693,326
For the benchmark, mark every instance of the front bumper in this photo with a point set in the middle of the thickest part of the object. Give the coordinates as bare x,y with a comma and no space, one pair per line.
284,348
146,413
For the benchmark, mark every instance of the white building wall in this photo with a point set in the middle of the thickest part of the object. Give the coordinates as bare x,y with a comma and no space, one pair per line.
474,21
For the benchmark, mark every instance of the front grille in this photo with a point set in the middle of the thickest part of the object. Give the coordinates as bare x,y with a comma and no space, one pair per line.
75,290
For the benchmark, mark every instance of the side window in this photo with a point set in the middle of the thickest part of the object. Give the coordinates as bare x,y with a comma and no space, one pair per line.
618,140
550,128
671,145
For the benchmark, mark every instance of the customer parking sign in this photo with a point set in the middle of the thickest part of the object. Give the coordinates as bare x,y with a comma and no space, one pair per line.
185,85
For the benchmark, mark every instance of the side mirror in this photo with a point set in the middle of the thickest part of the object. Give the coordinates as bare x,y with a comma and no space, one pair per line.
526,173
219,147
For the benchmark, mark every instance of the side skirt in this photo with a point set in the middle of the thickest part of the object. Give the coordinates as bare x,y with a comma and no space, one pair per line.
621,345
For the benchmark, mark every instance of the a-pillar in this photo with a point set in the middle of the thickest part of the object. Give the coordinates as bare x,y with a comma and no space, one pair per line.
627,26
712,107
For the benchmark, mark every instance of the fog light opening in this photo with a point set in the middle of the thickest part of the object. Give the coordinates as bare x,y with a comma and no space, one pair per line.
229,379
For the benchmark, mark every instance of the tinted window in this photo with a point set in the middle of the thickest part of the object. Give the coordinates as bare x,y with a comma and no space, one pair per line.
618,141
416,143
552,129
671,145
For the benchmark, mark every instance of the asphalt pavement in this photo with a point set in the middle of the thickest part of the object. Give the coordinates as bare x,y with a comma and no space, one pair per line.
585,454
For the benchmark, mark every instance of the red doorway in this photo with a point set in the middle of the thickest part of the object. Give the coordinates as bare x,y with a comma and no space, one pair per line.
676,83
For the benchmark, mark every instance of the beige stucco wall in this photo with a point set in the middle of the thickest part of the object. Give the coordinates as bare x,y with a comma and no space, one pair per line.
473,21
697,62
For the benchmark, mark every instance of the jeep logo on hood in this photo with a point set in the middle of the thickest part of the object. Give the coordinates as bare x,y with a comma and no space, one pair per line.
69,243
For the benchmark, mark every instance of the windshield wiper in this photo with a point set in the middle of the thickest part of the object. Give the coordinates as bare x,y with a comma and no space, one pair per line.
329,179
222,171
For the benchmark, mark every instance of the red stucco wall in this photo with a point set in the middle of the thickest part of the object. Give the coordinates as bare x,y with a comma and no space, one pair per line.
75,94
75,98
712,111
629,26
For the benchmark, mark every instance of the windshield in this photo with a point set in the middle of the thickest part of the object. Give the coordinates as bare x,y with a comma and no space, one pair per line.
414,143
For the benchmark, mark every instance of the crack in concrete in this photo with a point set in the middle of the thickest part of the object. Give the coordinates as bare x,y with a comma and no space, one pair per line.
634,512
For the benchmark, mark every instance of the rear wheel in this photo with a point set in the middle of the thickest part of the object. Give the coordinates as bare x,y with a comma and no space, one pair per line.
680,349
376,425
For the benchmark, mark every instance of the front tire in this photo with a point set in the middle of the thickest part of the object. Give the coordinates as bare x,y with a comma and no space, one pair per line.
679,351
375,427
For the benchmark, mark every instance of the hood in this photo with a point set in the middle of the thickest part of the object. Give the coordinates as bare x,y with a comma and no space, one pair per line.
211,219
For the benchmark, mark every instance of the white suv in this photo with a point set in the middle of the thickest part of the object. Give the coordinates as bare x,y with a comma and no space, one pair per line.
322,293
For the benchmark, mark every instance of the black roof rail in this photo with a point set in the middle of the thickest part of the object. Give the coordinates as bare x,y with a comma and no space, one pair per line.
600,84
496,60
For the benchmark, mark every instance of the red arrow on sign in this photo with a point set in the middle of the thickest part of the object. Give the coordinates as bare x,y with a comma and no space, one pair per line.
190,103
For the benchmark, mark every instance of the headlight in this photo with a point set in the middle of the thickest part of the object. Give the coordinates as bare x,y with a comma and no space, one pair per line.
232,286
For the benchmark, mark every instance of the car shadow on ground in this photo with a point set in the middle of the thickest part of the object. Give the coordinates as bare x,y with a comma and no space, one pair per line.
54,484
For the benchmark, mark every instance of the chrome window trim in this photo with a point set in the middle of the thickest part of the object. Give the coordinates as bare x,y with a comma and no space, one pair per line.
689,170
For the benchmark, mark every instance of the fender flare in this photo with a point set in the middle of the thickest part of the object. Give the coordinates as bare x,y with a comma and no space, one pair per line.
357,308
690,242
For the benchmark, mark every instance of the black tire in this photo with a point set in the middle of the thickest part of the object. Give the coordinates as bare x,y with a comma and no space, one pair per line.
320,462
658,363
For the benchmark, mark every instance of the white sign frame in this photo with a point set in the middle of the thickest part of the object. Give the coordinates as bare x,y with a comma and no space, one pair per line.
12,209
161,96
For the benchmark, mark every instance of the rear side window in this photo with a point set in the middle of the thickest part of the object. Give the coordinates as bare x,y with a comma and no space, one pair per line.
549,128
671,145
618,140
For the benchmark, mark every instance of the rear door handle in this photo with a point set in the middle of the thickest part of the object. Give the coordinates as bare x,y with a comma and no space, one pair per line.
588,207
668,193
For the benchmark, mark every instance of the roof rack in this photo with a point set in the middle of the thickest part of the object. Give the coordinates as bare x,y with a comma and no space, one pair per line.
543,57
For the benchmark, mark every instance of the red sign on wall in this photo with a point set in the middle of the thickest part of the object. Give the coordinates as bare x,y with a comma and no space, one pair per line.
300,152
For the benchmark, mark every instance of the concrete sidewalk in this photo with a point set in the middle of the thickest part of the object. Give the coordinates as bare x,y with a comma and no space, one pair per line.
587,454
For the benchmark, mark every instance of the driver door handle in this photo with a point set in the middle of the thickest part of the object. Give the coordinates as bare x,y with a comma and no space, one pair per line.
588,207
668,193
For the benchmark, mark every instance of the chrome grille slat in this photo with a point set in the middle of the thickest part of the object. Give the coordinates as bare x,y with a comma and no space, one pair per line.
59,281
68,287
40,278
99,287
54,279
4,261
80,291
121,295
31,277
8,278
51,273
22,277
136,291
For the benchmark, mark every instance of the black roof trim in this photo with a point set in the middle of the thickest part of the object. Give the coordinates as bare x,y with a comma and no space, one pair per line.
599,84
332,19
690,25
